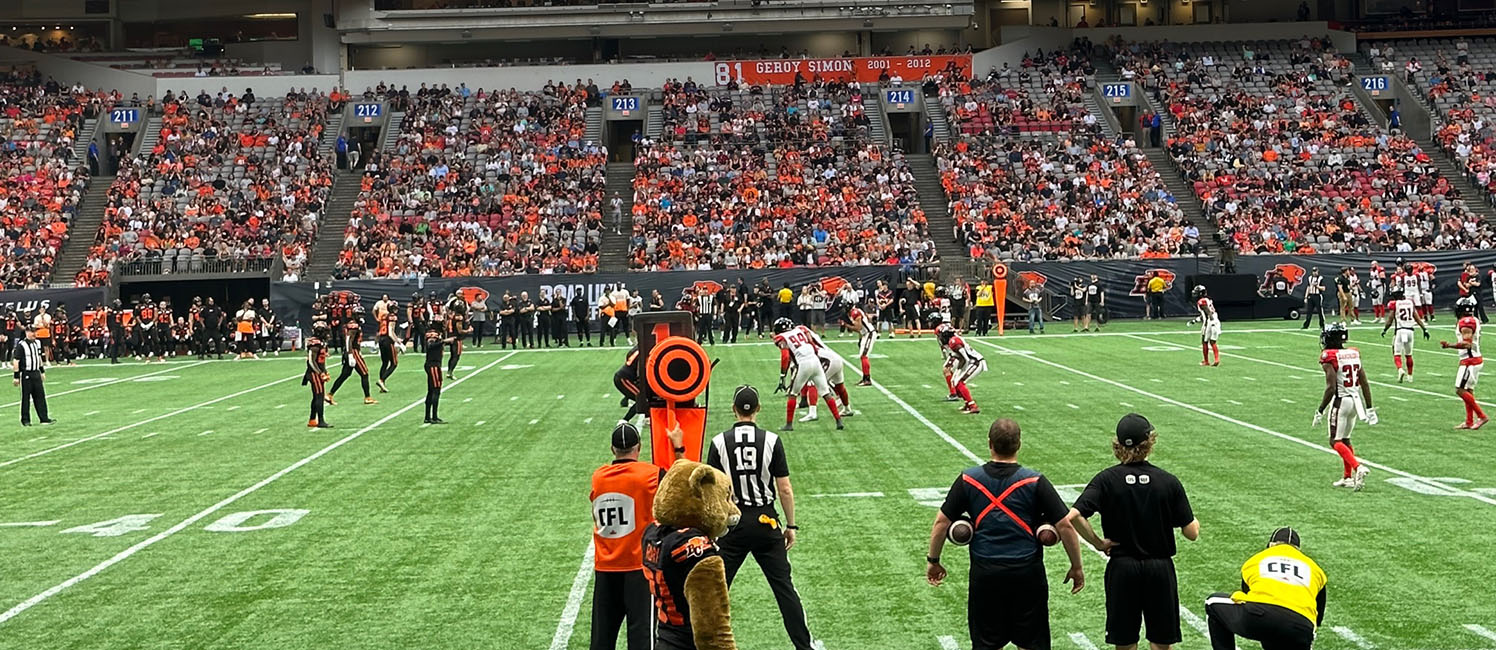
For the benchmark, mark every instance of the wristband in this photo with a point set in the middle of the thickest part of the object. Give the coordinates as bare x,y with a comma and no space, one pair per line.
680,450
792,528
16,374
932,560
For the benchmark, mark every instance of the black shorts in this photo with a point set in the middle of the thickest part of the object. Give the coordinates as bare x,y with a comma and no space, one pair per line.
1138,591
1008,604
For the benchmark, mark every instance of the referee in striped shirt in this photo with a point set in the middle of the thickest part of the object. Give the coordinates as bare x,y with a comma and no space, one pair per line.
1314,298
755,464
706,313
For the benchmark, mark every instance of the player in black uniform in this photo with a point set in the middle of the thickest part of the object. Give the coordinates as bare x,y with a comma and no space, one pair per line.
114,319
316,376
389,345
415,316
353,357
457,325
163,330
64,338
10,324
144,336
558,321
435,341
626,380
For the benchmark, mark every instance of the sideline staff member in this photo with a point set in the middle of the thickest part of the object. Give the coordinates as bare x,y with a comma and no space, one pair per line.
755,464
1140,507
1007,599
623,493
26,363
1281,602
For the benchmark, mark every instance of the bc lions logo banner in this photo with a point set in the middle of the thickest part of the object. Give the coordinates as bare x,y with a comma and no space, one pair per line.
712,287
1293,274
473,294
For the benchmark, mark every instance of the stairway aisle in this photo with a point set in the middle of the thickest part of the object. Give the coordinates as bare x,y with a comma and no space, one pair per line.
82,232
1184,195
613,252
1476,199
937,208
335,217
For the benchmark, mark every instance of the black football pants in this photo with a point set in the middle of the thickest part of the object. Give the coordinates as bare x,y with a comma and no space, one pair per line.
1276,628
616,596
766,543
1314,306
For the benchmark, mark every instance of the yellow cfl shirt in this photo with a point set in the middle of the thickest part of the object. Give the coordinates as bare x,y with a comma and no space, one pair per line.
1282,575
984,296
1156,285
785,295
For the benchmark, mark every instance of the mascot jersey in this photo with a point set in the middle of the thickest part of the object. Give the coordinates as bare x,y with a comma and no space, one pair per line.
669,556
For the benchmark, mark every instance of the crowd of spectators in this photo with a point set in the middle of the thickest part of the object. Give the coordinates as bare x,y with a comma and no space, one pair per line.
41,182
1068,196
1046,92
478,184
763,177
1284,159
230,178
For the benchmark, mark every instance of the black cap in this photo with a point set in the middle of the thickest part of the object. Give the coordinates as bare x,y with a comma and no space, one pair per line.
1133,430
745,399
1284,535
625,436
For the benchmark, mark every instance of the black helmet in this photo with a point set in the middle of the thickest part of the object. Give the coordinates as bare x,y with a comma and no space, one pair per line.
1198,292
944,333
934,319
1396,294
1465,306
1334,336
782,325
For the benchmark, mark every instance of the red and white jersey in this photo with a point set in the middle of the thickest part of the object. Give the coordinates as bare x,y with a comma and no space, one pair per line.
1403,314
959,350
1378,276
1410,284
1207,310
801,344
1425,280
1347,363
861,321
1470,356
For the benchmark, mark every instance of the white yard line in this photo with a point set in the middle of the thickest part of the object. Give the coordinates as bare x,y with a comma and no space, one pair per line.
163,416
153,433
125,554
1226,418
1481,631
535,421
206,432
1234,402
1081,641
587,421
233,408
1354,639
848,495
261,430
573,608
111,382
947,643
1019,408
480,423
31,524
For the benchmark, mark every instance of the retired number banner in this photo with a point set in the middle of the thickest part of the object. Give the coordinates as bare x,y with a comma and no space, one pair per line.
860,69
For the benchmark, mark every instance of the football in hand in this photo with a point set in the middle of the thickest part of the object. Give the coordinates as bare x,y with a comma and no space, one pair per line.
961,532
1047,535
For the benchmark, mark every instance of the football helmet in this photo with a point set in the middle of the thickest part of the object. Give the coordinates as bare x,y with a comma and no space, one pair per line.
935,319
1198,292
1396,294
1465,306
1334,336
782,325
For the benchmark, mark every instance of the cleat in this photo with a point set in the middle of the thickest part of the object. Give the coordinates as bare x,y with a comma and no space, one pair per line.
972,411
952,398
370,400
808,418
380,384
839,426
1478,423
1463,425
1217,362
1358,478
865,382
848,412
330,401
438,421
1344,482
324,425
1402,375
788,426
1204,363
311,424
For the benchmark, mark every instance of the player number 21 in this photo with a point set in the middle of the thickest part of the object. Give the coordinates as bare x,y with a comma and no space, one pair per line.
1352,372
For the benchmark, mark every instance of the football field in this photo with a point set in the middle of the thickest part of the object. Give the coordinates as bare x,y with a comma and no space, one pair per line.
186,504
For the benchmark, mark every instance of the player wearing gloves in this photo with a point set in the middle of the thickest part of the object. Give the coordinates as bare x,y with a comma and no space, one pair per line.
1468,374
1402,314
1210,326
798,354
1348,396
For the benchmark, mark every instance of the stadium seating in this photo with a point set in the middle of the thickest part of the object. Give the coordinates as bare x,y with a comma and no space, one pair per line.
40,182
227,180
1059,197
489,184
1044,93
1285,160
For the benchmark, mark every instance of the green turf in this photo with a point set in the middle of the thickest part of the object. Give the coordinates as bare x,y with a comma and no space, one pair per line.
472,534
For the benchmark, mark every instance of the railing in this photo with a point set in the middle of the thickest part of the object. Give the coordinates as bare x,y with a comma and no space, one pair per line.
191,266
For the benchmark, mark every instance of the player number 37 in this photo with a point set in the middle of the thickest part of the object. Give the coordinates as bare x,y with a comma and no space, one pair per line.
1352,372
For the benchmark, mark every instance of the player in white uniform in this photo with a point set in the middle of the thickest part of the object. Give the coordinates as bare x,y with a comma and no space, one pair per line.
867,332
1402,314
797,349
1377,283
1210,326
1470,362
832,367
948,362
1348,396
1425,279
966,363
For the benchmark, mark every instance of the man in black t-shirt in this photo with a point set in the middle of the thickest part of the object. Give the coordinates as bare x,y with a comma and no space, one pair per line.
1008,597
1140,507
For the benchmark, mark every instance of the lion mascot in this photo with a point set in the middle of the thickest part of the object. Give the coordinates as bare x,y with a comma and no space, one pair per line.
692,508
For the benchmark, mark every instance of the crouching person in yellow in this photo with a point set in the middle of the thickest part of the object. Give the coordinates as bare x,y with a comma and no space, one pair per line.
1281,602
